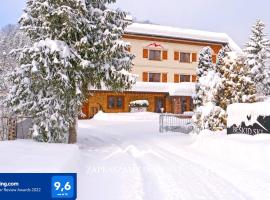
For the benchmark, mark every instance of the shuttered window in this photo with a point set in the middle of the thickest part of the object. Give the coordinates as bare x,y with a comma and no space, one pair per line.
176,55
145,76
165,55
194,77
194,57
164,78
176,78
145,53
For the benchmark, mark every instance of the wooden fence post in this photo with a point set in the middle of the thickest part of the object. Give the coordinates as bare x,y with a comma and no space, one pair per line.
11,129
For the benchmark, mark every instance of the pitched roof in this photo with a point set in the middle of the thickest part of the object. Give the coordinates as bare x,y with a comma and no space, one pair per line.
179,33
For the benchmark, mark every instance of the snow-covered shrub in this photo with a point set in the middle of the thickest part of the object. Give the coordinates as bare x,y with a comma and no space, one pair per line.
139,103
213,117
138,106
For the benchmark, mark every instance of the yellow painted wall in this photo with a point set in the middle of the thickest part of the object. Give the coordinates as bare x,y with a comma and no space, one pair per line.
170,65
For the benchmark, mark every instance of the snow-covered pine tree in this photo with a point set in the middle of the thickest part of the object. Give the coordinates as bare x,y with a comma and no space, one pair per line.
205,64
220,59
10,38
257,53
236,86
207,114
75,44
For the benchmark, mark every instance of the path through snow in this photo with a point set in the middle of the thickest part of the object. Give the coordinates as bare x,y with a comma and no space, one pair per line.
125,158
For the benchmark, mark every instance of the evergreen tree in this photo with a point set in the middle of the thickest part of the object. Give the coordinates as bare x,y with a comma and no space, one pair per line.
220,59
207,114
76,44
10,38
257,53
205,63
236,86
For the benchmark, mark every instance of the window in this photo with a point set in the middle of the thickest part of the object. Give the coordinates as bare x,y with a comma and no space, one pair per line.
186,104
183,104
154,77
154,55
115,102
184,78
185,57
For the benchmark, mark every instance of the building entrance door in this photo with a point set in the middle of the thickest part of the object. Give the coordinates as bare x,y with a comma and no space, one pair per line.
159,104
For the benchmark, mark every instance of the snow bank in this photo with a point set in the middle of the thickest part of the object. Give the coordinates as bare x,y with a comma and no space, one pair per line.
248,113
33,157
143,116
130,159
239,150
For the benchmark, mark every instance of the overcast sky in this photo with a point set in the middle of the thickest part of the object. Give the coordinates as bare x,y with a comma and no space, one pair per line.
233,17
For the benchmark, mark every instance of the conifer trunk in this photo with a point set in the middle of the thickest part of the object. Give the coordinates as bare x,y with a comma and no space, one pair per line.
72,138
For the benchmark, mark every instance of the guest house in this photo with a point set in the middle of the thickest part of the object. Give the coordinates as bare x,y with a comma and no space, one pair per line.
166,62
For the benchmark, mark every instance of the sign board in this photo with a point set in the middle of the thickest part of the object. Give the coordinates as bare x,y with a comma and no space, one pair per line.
38,186
251,119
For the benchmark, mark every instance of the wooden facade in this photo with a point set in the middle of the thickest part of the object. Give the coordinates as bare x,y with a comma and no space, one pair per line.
98,101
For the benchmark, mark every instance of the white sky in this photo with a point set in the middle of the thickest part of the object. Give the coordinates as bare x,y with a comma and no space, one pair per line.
233,17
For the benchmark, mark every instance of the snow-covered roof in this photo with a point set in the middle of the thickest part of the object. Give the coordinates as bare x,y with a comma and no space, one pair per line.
174,89
179,33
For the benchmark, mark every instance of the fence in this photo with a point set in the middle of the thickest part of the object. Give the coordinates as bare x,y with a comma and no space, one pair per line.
15,127
176,123
23,127
7,128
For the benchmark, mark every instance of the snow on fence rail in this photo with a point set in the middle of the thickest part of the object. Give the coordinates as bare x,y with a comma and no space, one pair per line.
175,123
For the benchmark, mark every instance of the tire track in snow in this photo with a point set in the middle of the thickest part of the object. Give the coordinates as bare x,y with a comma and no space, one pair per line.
254,184
186,180
163,175
117,180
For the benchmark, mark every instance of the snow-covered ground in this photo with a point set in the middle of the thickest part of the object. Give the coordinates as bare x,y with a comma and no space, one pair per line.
26,156
124,157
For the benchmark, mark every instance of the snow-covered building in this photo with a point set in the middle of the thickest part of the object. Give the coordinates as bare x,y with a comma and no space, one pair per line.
166,61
